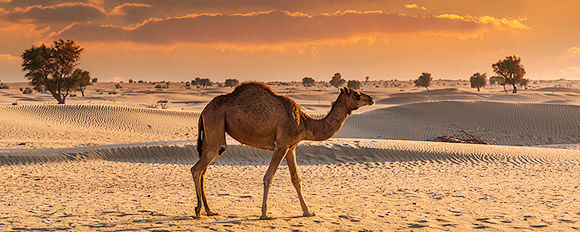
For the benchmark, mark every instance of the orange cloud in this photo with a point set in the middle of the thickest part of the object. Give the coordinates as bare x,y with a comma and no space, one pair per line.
61,13
414,6
271,27
7,58
122,9
489,20
574,51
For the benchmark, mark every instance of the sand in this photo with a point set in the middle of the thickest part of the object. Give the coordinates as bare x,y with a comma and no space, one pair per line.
111,162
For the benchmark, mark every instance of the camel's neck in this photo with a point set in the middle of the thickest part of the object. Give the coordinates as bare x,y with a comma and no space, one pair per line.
323,129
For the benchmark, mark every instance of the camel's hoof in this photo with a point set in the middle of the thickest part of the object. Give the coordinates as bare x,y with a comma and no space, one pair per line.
264,217
212,214
198,212
308,214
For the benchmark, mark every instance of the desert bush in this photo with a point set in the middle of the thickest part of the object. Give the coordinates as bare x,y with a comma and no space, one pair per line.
158,86
27,91
4,86
308,82
337,80
424,80
164,104
511,70
231,82
478,80
353,84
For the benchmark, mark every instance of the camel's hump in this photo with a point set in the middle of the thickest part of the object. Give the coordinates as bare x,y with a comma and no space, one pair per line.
253,85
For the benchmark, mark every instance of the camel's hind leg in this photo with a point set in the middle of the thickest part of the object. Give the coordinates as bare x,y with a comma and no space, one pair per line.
213,145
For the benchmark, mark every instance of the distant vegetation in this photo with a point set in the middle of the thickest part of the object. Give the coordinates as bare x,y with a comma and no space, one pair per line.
53,68
478,80
231,82
4,85
308,82
202,82
354,84
525,83
337,80
424,80
83,79
511,70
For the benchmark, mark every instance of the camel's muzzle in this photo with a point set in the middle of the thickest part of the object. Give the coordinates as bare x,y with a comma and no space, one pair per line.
371,100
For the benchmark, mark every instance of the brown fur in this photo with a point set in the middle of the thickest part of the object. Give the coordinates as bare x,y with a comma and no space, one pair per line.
255,115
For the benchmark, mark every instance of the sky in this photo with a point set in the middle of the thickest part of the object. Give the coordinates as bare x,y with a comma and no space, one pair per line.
286,40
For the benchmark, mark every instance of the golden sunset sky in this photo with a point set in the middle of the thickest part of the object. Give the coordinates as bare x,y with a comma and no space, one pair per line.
290,39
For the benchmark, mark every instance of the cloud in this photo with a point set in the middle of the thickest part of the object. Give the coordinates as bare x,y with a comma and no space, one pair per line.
574,51
504,23
7,58
414,6
61,13
274,27
122,9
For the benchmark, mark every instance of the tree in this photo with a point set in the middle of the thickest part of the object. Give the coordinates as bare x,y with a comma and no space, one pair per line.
495,80
525,83
424,80
204,83
337,80
231,82
354,84
196,82
367,79
511,70
51,68
308,82
83,79
478,80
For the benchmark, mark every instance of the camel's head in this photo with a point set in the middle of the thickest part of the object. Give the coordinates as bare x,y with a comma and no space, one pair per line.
355,99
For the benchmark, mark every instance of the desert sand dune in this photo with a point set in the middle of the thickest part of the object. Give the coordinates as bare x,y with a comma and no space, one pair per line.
326,152
497,122
503,123
41,126
112,164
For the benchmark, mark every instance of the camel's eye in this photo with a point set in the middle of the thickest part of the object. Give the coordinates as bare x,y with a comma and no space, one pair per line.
358,97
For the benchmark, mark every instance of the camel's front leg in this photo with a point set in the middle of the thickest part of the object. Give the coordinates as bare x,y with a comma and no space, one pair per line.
291,160
279,153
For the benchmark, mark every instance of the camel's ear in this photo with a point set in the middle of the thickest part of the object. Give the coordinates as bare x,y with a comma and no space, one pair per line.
347,91
342,90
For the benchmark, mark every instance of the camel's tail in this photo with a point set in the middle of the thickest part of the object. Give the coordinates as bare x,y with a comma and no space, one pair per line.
200,135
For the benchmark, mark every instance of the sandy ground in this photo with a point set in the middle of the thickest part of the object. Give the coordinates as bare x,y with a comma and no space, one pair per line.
110,162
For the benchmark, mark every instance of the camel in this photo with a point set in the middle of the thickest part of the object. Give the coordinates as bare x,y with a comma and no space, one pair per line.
255,115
